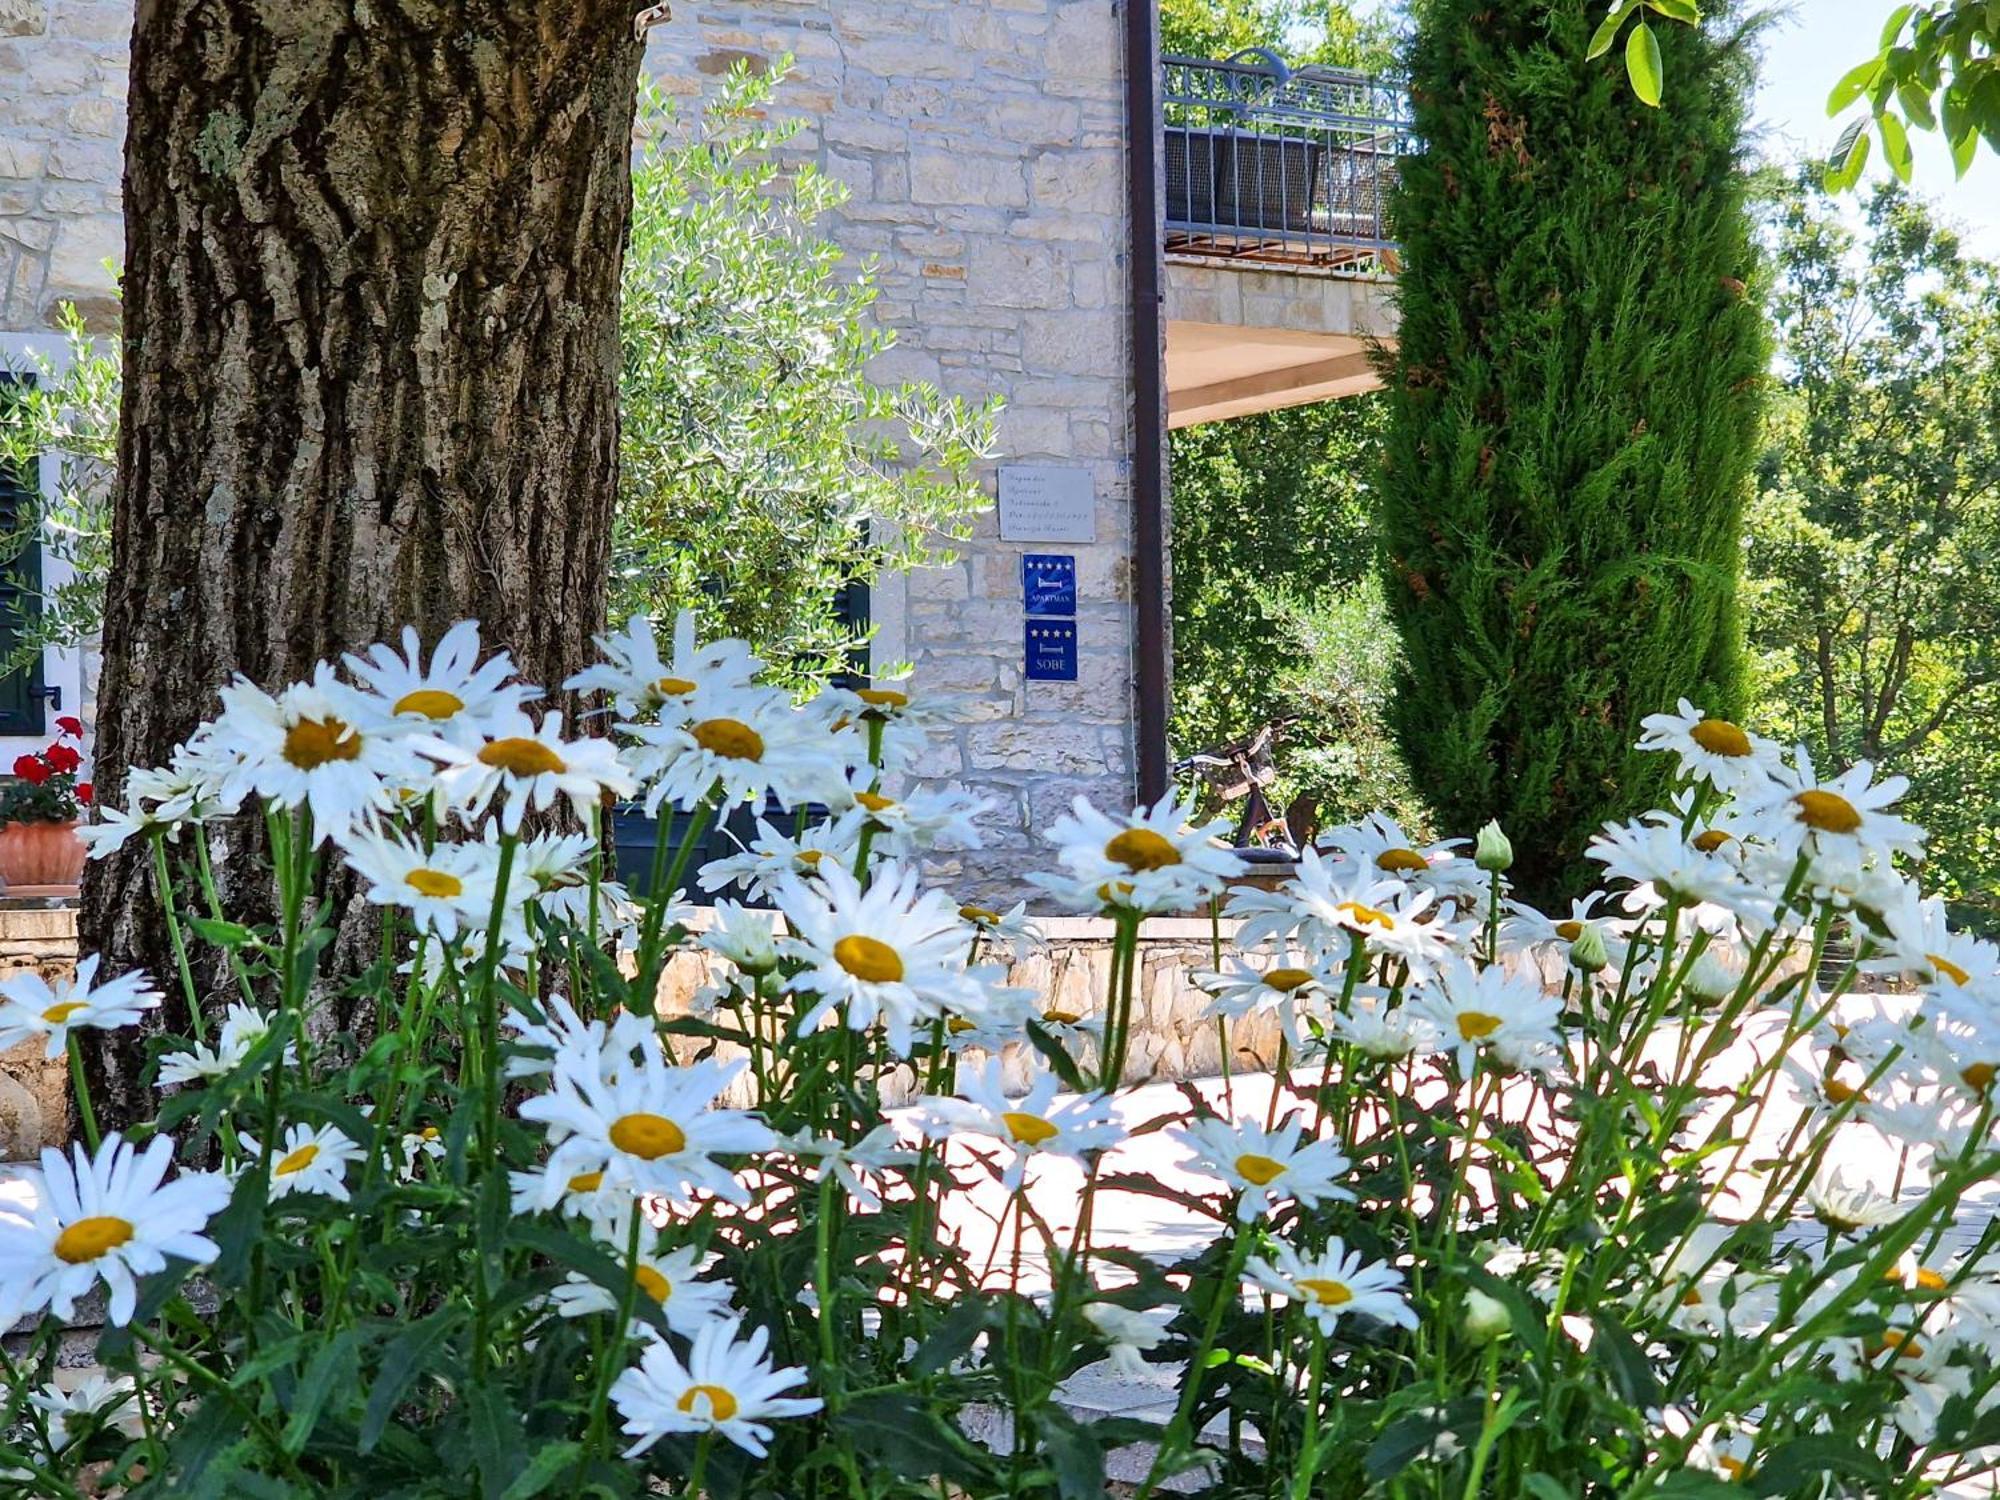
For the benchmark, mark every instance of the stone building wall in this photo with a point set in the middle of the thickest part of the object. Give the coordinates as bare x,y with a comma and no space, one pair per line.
62,141
34,1089
984,144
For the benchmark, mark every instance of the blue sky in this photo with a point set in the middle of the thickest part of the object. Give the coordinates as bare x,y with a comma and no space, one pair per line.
1805,53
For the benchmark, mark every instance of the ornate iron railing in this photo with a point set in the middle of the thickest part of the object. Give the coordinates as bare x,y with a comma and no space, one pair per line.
1271,164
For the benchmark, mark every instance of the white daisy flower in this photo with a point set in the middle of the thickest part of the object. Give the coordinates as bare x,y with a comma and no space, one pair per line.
1491,1008
1387,1035
109,1217
311,1159
1714,750
90,1403
1843,815
446,890
110,829
1652,854
456,696
581,1195
1266,1166
747,938
1916,940
773,857
527,765
918,822
1334,1284
33,1009
725,1386
749,741
1379,845
615,1045
1283,989
1033,1124
315,745
650,1129
640,681
242,1029
668,1280
894,953
877,1152
900,722
1012,929
1150,860
1128,1336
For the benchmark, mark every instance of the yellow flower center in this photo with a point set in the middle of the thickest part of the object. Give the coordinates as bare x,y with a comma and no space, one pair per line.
1709,840
1732,1468
1401,862
1949,969
673,687
809,857
429,1132
1325,1292
56,1014
874,801
1476,1025
87,1239
312,743
653,1284
520,755
296,1161
436,884
648,1137
429,703
1898,1343
1841,1093
1829,812
868,960
1287,980
1720,737
709,1401
1141,849
1261,1170
958,1026
1691,1297
1113,891
1061,1017
1365,916
584,1182
1029,1130
1569,932
980,915
1929,1280
883,698
1979,1076
731,739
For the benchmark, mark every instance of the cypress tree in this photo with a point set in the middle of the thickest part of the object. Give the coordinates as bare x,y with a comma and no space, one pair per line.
1574,409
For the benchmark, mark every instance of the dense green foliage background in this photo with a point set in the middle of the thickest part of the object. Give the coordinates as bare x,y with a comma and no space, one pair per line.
1573,413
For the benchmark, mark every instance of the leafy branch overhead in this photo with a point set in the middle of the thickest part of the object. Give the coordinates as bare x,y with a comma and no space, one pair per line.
1935,68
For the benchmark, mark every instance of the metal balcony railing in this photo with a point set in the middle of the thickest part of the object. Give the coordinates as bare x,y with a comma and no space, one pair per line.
1269,164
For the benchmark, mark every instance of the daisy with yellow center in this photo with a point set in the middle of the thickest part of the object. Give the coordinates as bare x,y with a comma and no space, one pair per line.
34,1009
1334,1284
524,763
308,1159
107,1216
453,694
646,1126
642,682
1286,987
919,821
1844,816
1714,750
670,1293
727,1385
893,954
1492,1011
1380,848
750,741
446,890
1036,1123
1151,860
1266,1167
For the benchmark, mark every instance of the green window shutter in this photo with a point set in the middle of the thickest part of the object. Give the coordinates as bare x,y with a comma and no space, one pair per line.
23,696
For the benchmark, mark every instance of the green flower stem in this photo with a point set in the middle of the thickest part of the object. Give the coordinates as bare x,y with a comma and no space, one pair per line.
1118,999
614,1358
1308,1462
492,1174
80,1088
700,1470
1180,1430
163,878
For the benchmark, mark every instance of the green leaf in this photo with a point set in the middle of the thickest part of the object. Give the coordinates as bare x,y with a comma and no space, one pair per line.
897,1429
1807,1460
1542,1487
542,1470
1853,83
1850,156
338,1361
496,1434
1606,34
1631,1373
222,934
1915,100
405,1359
1643,65
1896,146
1684,11
1893,27
1692,1484
1073,1452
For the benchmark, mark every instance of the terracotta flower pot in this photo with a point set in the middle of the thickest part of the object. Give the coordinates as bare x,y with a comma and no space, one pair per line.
43,853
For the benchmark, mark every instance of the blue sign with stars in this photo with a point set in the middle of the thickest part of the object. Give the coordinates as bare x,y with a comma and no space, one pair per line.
1051,650
1048,583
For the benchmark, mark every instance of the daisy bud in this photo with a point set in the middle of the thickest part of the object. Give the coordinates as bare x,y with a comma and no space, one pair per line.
1485,1318
1493,853
1711,978
1587,954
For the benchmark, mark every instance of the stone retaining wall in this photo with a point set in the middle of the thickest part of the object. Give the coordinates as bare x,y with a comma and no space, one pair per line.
34,1091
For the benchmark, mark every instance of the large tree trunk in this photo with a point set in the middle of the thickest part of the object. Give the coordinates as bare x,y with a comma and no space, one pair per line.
371,359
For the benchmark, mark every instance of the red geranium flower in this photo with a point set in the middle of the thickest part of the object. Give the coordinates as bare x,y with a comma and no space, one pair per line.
71,726
33,769
62,757
84,794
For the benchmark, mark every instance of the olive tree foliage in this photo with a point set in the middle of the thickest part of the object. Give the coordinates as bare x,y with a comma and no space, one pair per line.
64,411
762,468
1935,66
1874,538
1303,31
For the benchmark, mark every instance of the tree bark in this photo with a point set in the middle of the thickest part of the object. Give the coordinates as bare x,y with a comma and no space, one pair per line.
371,361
